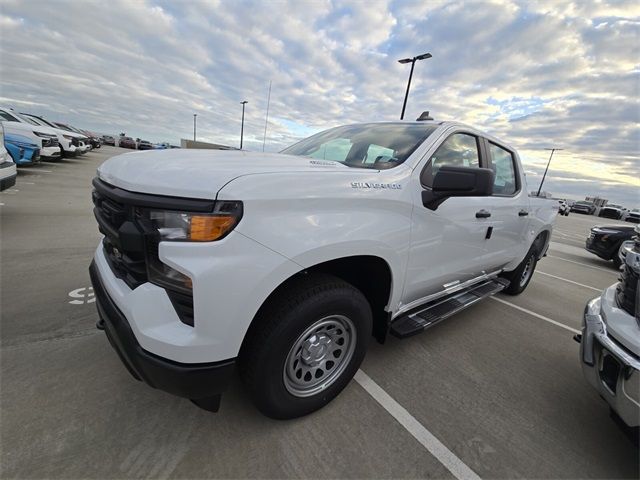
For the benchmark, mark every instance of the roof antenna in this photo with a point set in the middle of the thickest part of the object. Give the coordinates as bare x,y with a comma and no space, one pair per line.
266,119
423,117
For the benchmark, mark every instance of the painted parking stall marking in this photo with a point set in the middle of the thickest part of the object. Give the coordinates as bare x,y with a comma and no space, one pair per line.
82,295
569,281
583,264
435,447
537,315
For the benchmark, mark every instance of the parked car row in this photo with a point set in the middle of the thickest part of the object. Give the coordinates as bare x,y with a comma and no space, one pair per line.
124,141
29,138
610,210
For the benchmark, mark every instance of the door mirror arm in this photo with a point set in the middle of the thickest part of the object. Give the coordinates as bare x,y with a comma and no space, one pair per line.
458,182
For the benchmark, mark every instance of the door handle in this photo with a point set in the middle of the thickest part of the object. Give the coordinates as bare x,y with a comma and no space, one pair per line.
523,213
483,214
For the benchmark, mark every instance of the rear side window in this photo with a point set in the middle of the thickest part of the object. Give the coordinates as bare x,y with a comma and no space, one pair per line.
459,150
503,165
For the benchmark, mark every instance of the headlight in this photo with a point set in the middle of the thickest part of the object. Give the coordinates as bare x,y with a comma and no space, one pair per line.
185,227
42,135
195,227
68,137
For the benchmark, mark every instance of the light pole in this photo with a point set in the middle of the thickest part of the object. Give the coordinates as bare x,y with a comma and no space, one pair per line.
412,61
545,170
194,126
244,102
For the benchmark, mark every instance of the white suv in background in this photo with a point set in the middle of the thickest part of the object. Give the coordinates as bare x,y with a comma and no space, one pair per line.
44,137
8,171
72,143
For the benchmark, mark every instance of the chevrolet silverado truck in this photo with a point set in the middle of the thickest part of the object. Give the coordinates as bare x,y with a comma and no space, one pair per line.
610,339
282,267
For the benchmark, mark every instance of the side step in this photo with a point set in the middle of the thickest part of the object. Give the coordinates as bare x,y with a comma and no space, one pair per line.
428,315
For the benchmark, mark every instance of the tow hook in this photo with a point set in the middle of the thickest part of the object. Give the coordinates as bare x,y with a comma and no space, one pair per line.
578,337
100,324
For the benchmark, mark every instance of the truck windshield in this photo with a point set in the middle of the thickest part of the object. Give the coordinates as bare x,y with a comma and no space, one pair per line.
372,145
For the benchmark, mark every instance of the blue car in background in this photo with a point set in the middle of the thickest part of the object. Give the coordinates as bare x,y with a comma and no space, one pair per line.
21,149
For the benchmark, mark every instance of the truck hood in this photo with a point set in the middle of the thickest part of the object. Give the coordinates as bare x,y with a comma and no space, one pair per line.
199,173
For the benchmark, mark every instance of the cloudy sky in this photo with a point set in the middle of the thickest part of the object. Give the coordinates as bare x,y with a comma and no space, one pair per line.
538,74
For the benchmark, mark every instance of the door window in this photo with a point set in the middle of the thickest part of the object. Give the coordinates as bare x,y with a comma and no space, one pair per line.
502,163
459,150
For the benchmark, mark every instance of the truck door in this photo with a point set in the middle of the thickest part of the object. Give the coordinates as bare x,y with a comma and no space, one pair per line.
448,244
509,208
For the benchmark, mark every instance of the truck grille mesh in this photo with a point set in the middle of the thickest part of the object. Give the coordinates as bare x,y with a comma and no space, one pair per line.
127,264
627,291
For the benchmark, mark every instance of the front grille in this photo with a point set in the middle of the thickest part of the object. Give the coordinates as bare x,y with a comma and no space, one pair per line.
627,291
126,259
592,235
49,141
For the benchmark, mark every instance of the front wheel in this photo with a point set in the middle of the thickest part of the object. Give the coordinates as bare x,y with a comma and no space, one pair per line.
521,276
306,346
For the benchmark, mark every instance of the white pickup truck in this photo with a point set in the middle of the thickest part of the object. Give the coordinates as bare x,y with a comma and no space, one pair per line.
285,265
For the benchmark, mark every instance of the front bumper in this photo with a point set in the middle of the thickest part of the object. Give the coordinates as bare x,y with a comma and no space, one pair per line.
609,367
189,380
597,247
50,153
70,151
8,174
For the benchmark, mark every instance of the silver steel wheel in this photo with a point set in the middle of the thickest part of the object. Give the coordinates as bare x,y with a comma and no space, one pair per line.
319,356
526,273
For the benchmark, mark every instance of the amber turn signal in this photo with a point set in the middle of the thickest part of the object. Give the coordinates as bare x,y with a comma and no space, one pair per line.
210,227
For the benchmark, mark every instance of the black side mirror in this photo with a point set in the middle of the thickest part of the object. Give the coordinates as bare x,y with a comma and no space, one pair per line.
458,182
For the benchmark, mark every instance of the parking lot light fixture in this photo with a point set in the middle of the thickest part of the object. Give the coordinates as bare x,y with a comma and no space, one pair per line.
244,102
412,61
194,126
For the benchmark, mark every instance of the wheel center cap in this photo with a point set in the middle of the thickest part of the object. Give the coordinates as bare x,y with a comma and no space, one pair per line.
315,348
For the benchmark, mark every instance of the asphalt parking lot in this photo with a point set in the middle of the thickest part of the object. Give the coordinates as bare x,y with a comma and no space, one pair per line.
499,385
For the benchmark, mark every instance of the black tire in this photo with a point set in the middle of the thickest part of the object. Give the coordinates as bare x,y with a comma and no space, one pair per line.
268,349
616,260
521,276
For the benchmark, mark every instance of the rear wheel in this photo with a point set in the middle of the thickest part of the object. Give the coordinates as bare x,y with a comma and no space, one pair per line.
306,346
521,276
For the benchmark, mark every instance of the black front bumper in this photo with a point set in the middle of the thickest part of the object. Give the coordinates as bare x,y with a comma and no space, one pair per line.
192,380
604,251
9,181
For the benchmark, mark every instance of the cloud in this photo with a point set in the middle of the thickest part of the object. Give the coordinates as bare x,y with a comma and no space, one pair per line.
537,74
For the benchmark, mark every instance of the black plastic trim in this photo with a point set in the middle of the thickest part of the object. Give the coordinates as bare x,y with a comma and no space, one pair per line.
147,200
194,381
8,182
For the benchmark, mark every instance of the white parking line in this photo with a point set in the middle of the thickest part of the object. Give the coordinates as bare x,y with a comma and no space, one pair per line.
569,281
569,234
537,315
583,264
435,447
